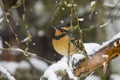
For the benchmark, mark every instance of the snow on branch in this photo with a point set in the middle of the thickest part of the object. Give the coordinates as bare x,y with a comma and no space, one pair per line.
105,53
81,67
4,71
61,70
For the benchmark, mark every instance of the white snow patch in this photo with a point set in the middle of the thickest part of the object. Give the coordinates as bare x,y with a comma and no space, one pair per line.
109,41
39,64
115,77
77,57
74,60
93,77
92,3
91,48
60,65
4,71
12,66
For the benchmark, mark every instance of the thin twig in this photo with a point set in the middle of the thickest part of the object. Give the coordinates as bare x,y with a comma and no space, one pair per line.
28,54
54,14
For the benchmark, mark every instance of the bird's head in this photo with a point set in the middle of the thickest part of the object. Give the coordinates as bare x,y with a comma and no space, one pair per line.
60,31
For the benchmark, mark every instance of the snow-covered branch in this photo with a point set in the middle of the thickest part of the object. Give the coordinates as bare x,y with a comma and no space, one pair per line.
106,52
6,73
98,56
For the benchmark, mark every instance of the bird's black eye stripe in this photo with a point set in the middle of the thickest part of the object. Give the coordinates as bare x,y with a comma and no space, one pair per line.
59,36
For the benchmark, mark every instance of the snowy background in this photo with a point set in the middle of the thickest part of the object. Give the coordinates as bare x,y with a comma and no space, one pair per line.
34,17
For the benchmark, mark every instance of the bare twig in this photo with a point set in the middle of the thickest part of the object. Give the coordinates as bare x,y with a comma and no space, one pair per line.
28,54
108,22
58,8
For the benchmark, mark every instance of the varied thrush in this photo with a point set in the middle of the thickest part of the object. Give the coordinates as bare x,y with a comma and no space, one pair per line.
61,39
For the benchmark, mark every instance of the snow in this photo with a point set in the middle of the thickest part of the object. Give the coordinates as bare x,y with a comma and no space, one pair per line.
93,77
92,3
77,57
39,64
12,66
115,77
74,60
61,65
4,71
91,48
109,41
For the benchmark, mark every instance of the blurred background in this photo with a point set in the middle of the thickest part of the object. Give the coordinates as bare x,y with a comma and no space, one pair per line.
26,24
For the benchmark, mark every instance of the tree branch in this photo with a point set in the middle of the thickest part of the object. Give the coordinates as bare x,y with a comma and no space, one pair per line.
103,55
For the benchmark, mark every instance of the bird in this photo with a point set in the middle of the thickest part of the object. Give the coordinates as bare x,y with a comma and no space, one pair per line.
60,41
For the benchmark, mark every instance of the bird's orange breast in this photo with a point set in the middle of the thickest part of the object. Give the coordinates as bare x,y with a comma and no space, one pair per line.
61,46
